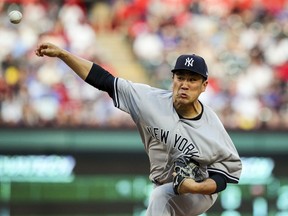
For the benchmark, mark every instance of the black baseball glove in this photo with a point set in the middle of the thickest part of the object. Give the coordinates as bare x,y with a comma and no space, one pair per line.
187,168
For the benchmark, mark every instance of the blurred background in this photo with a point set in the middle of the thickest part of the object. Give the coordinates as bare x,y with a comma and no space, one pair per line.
65,149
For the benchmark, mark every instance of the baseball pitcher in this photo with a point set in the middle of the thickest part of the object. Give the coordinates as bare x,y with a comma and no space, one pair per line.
192,157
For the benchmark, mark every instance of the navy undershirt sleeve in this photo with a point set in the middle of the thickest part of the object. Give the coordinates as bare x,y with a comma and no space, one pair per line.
220,180
101,79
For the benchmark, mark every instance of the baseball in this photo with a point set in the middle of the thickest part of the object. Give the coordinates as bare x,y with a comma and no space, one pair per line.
15,16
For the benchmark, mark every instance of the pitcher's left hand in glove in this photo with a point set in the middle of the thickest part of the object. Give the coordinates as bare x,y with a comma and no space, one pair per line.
187,168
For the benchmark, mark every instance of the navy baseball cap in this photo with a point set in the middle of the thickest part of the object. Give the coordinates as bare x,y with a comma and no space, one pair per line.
193,63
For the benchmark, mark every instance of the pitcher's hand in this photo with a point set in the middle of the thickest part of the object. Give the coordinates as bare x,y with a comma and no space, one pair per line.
48,49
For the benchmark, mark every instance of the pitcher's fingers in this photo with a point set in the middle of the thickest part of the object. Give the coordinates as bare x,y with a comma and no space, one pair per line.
44,49
38,52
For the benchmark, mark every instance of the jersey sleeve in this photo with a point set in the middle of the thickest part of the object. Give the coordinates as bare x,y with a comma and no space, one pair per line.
229,166
232,173
129,96
125,94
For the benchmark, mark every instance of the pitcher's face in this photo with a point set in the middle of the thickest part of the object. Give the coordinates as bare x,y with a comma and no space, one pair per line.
187,88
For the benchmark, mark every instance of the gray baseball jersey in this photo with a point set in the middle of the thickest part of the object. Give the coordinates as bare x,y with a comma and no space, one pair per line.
166,136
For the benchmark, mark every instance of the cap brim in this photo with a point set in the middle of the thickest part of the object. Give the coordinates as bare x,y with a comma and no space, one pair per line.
178,69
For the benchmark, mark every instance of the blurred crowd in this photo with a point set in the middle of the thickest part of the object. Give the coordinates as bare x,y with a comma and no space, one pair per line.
245,45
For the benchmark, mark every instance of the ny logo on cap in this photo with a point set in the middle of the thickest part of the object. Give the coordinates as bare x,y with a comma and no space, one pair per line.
189,62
